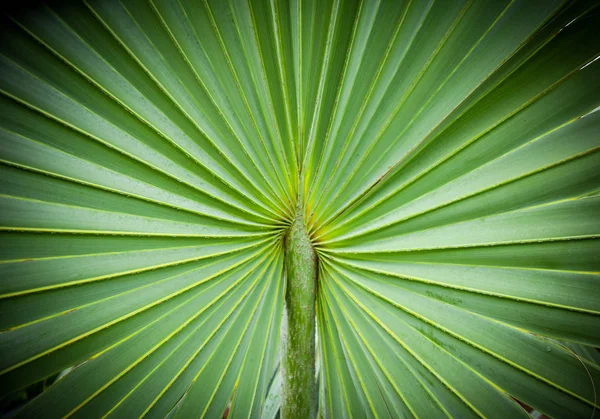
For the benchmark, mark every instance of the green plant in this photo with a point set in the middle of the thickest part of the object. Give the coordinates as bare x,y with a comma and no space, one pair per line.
438,162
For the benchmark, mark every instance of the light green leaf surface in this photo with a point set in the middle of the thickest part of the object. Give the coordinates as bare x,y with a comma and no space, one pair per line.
445,156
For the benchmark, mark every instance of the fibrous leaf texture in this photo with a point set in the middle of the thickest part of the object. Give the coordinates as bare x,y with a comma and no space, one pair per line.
443,157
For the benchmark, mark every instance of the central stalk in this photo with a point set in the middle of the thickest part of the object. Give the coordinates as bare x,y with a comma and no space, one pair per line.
299,388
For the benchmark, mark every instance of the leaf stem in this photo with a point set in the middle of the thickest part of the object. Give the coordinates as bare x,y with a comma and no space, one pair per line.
299,388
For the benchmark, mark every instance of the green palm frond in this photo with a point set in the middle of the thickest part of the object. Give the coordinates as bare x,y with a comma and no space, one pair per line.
443,154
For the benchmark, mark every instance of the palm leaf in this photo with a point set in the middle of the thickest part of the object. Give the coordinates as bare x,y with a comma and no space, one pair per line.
444,155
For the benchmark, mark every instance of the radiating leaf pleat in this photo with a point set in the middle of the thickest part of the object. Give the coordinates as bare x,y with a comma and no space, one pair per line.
503,344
